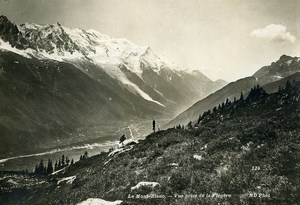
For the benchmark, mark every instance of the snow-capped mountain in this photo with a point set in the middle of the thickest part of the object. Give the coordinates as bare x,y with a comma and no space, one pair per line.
115,57
58,79
61,43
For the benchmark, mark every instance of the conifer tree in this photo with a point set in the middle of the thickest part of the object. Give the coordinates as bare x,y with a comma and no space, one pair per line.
242,97
199,119
86,155
40,169
153,125
190,125
36,169
59,164
227,101
67,160
49,167
56,166
63,160
215,109
288,85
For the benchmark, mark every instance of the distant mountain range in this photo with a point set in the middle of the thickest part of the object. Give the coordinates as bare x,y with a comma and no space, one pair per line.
270,77
55,79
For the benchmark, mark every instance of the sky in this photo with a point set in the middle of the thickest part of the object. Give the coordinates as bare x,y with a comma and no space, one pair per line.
225,39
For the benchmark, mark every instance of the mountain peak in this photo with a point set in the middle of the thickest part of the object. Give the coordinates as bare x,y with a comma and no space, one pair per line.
285,58
4,19
60,43
117,57
9,32
284,66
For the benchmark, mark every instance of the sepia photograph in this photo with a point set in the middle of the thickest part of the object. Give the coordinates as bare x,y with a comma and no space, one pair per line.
149,102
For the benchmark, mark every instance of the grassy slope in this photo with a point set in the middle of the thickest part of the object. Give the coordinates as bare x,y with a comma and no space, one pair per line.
250,147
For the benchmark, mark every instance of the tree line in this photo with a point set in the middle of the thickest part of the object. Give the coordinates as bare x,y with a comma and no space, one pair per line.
60,163
256,93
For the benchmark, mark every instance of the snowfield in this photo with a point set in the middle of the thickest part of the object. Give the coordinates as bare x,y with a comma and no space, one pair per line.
109,54
7,46
97,201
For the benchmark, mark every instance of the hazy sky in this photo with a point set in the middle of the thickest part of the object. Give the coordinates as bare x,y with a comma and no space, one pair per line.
226,39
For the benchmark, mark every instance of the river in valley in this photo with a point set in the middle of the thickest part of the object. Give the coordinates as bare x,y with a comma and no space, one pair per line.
133,131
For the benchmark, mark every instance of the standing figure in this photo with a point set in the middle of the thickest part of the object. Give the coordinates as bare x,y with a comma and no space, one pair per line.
122,139
153,125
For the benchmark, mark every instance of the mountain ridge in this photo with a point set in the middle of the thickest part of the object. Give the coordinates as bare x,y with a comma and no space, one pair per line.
91,78
109,54
285,66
